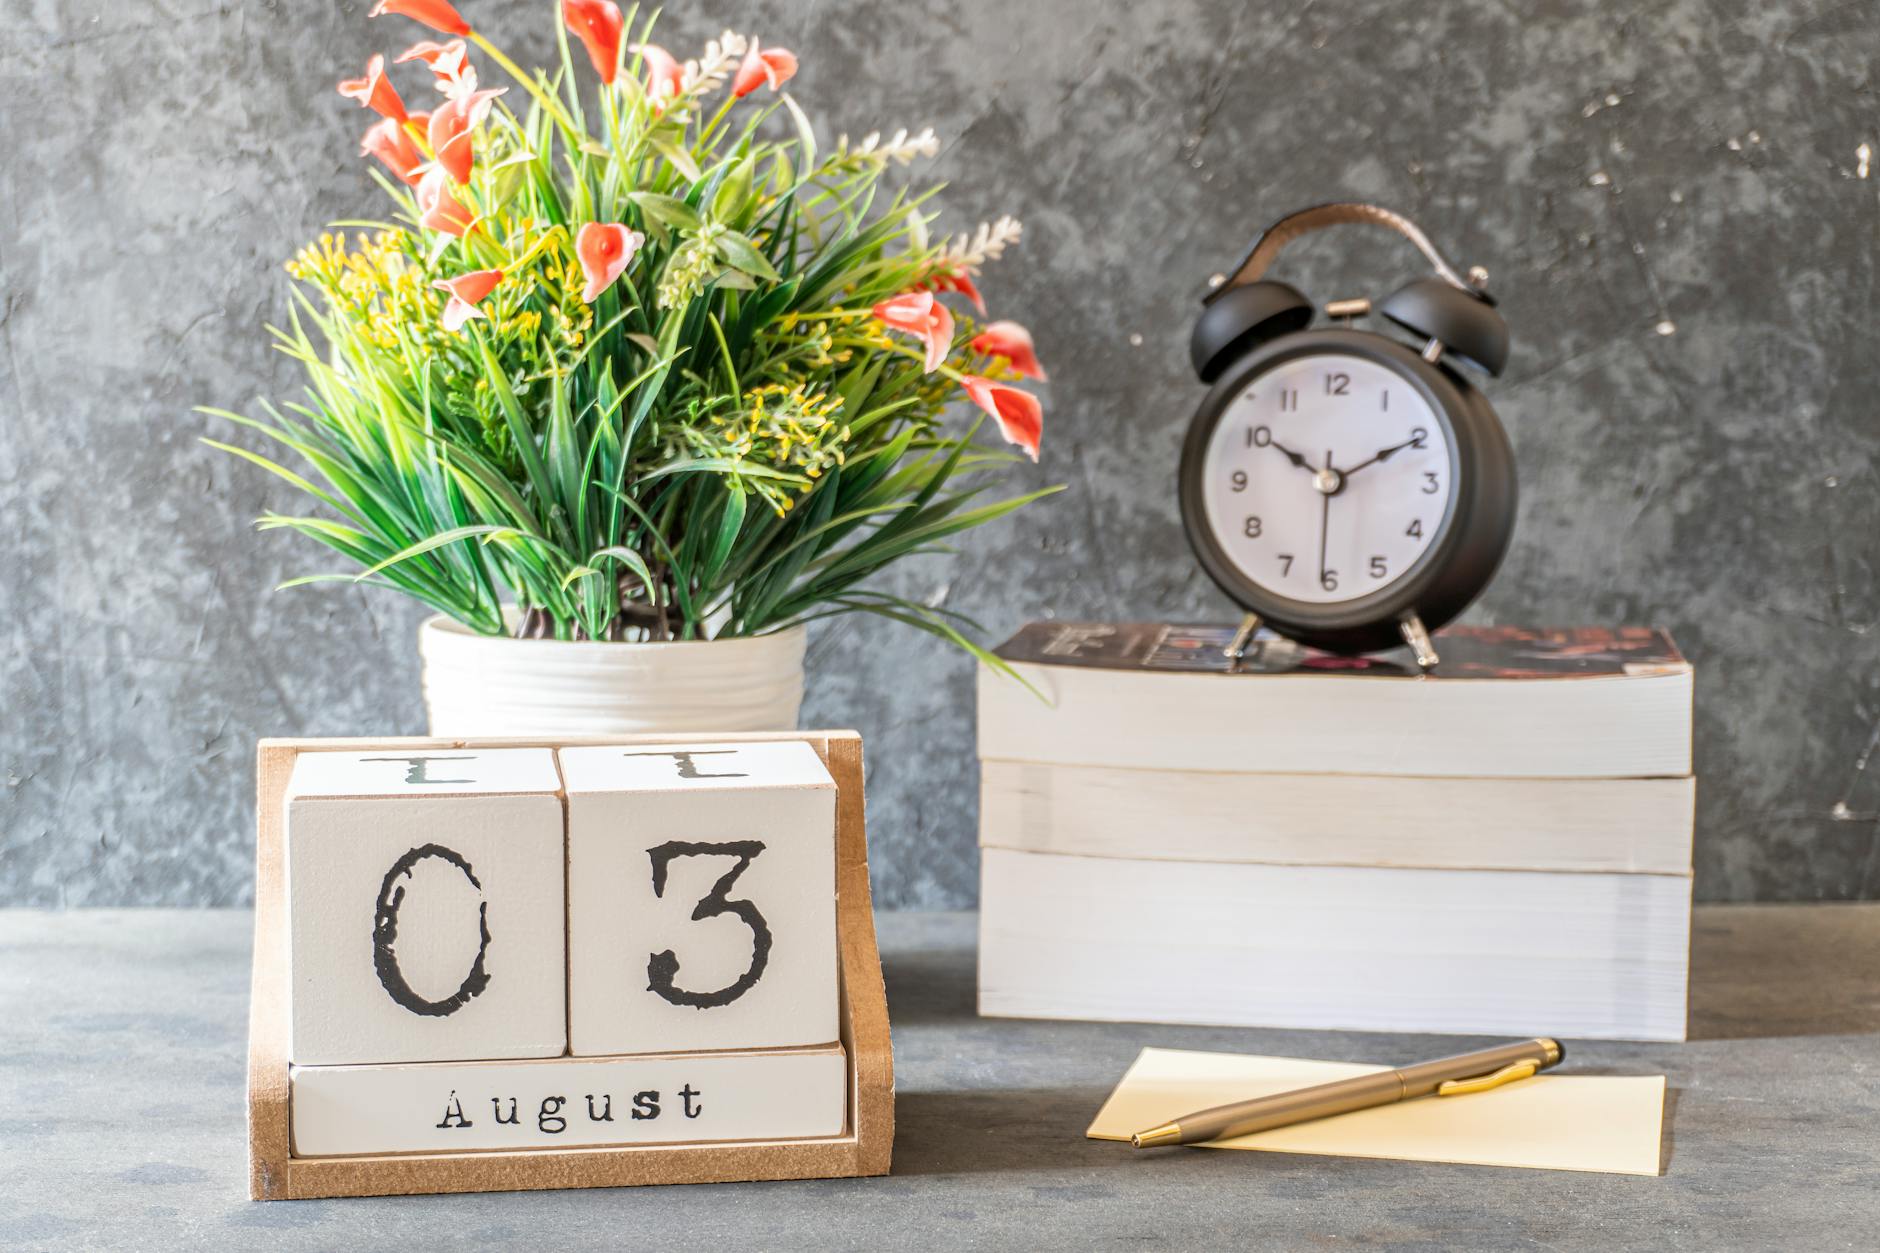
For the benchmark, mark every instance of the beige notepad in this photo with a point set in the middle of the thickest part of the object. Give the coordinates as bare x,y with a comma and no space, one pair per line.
1550,1122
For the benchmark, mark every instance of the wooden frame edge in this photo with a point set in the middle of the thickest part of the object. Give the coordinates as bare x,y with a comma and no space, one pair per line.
865,1149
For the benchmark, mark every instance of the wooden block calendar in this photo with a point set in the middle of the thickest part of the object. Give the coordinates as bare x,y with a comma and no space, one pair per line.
421,950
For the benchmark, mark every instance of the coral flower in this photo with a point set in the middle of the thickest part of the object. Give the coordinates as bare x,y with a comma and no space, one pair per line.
961,282
465,291
449,61
431,52
450,129
391,143
1018,413
661,70
1013,342
775,66
438,210
375,91
439,15
920,315
596,23
604,249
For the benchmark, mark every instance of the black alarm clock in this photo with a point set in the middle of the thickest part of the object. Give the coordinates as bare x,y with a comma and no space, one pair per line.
1351,489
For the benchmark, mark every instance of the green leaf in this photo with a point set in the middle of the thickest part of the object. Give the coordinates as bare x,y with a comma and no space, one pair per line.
667,210
508,181
743,254
805,136
272,468
728,201
681,161
722,465
729,524
451,536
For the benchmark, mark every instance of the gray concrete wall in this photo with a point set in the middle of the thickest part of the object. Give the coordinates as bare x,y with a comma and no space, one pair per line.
1670,196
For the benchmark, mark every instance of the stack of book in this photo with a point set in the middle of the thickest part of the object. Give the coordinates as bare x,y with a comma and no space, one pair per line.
1500,846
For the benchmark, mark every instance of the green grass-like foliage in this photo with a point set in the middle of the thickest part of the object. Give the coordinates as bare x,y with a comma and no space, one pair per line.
724,443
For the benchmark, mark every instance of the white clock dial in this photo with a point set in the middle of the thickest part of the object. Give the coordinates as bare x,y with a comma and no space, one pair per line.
1327,478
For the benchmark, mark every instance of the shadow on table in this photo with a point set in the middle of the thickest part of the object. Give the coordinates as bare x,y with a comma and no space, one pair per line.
1012,1129
930,985
1668,1149
1767,971
1037,1130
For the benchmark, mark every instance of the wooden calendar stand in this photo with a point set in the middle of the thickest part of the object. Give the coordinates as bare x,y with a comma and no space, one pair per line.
863,1148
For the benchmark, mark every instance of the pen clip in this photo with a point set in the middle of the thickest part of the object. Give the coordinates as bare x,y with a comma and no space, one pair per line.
1482,1083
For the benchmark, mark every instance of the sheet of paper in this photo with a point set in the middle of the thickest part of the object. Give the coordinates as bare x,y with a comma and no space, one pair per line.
1550,1122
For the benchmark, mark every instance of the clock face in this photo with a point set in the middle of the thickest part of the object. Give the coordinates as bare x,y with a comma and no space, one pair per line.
1327,478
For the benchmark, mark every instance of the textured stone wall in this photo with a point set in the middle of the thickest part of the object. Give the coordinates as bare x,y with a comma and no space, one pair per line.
1675,200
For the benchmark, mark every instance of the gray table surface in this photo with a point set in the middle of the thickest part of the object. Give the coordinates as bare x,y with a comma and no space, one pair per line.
122,1046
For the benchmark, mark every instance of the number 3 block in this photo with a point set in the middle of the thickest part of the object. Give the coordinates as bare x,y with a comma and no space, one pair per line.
425,906
701,897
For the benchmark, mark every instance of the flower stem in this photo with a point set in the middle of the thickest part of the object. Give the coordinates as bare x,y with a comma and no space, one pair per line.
528,84
705,135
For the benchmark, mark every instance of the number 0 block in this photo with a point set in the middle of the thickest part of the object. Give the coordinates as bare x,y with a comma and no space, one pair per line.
425,906
701,898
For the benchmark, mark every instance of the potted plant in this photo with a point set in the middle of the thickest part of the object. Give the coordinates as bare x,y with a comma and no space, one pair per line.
636,380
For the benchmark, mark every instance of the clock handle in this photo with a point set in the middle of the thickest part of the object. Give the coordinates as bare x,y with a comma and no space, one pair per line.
1418,639
1343,213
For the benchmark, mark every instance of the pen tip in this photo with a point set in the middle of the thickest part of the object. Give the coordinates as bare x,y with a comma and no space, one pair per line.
1167,1133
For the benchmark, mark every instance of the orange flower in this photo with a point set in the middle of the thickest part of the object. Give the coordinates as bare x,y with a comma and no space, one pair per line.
439,15
596,23
1018,413
438,209
604,249
775,66
375,91
450,62
431,52
918,314
465,291
1013,342
959,281
452,124
391,143
661,71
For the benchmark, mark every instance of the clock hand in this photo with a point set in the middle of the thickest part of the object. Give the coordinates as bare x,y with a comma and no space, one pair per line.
1383,454
1292,456
1325,519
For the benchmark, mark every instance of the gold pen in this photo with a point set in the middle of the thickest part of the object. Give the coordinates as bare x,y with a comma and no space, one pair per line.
1446,1076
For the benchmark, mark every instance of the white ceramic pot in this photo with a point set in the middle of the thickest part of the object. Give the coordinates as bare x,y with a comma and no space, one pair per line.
483,685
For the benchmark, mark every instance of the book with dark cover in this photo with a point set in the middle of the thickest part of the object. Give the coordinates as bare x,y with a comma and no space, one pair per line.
1505,702
1467,652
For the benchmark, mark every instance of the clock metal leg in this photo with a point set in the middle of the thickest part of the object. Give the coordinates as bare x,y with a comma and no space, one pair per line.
1237,647
1419,641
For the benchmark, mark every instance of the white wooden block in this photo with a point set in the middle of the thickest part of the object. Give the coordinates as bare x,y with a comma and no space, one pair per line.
701,897
569,1103
425,906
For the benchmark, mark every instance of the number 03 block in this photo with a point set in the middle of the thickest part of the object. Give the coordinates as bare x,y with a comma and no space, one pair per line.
701,897
425,906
